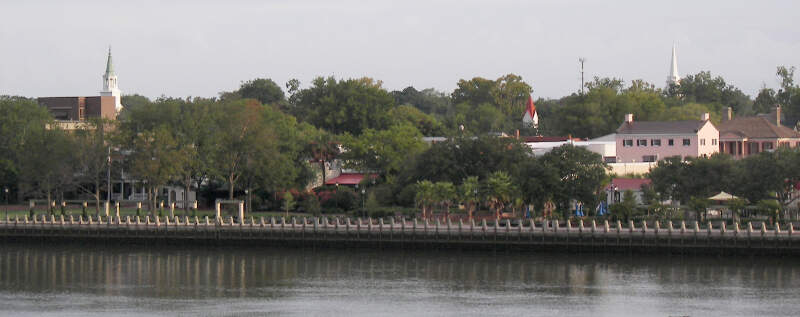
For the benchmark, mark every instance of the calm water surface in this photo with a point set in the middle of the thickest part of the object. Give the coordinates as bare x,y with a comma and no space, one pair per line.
38,280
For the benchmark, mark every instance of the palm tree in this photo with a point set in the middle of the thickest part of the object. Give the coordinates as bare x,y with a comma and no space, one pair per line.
425,196
468,192
499,189
445,193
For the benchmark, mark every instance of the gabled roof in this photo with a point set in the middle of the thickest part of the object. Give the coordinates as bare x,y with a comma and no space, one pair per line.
661,127
633,184
755,127
530,108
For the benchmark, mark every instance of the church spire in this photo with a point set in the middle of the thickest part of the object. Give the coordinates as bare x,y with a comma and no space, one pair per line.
109,65
110,87
673,77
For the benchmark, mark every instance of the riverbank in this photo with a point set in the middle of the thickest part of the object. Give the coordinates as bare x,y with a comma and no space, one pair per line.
682,238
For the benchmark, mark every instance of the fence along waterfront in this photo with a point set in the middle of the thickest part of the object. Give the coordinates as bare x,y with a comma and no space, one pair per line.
578,236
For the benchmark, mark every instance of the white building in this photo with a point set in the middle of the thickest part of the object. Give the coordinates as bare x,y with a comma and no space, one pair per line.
110,87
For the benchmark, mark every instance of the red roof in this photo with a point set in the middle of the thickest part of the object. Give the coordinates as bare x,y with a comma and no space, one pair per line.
530,108
633,184
348,179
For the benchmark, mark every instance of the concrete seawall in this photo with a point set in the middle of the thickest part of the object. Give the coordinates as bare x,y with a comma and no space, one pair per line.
666,237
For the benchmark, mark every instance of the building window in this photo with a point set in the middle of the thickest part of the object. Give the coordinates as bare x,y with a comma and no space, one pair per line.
627,143
641,142
767,145
649,158
784,144
702,141
687,142
671,142
797,144
655,142
713,141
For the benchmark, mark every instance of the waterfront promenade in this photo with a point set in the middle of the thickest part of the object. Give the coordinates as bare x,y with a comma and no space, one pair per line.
655,237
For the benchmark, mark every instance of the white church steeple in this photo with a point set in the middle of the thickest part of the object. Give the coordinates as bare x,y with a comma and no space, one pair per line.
110,83
673,77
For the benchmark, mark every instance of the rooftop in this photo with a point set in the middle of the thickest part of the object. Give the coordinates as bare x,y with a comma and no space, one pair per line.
661,127
755,127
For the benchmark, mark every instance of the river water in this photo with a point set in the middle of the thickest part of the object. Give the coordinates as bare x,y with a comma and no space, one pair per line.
70,280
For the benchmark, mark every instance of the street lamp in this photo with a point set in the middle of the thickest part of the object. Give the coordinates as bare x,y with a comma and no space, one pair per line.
5,190
108,195
247,196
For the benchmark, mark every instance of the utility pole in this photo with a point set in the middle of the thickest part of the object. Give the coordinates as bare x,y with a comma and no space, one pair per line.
581,60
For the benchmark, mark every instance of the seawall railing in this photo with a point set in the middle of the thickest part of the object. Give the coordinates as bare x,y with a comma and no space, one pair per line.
591,236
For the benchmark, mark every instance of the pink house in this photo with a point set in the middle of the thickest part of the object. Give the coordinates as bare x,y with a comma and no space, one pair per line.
651,141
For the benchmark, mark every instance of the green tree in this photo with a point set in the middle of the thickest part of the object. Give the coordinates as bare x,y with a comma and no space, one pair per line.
445,193
713,91
425,196
625,209
788,96
21,119
264,90
245,144
92,143
700,206
385,151
510,94
429,101
474,91
737,205
48,167
323,149
154,159
426,124
468,193
458,158
765,100
351,105
581,174
288,202
499,190
537,182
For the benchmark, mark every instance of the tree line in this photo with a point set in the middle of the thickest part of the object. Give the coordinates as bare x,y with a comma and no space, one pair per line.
266,140
765,178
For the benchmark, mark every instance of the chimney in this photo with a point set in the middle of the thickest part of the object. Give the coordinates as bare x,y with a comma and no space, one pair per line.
778,115
705,117
629,118
729,113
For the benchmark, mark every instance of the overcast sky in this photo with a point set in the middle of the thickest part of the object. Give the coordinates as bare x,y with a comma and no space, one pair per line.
199,48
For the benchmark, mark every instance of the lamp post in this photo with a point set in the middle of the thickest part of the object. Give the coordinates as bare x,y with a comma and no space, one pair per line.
108,194
247,196
5,190
474,192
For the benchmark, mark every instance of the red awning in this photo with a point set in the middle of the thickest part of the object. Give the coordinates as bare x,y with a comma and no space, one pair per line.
348,179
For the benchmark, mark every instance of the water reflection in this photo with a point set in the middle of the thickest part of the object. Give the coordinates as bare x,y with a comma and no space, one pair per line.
280,273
